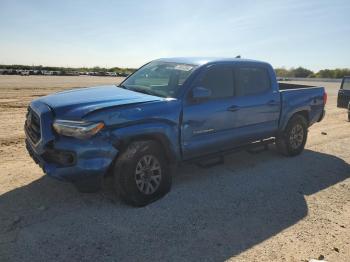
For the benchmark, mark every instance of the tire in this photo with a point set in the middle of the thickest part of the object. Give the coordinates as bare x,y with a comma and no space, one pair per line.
292,140
142,174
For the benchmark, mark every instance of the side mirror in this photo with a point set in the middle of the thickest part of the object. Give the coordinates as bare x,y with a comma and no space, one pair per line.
200,93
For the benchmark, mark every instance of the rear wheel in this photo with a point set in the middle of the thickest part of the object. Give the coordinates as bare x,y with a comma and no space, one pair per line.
292,140
142,174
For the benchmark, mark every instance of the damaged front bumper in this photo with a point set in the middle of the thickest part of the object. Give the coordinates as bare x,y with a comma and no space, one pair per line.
65,158
74,160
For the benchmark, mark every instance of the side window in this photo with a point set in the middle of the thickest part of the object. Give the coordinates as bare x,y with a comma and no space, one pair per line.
251,81
219,80
346,84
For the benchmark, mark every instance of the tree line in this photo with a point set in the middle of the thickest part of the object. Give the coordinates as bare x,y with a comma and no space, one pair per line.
303,72
68,69
280,72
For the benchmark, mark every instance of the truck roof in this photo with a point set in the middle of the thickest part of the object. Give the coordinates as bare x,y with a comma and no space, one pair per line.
206,60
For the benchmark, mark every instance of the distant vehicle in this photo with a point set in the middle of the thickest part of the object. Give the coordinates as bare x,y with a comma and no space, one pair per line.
101,73
11,72
169,111
72,73
56,73
47,73
282,79
24,72
123,74
111,74
344,93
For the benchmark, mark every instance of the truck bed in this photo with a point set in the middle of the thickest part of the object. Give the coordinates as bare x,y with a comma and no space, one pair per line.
288,86
302,98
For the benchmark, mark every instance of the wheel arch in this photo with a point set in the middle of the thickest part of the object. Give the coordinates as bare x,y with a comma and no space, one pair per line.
304,113
164,133
160,138
283,138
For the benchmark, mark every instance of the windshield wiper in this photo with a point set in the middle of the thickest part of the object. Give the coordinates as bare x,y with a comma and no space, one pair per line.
123,86
144,91
141,90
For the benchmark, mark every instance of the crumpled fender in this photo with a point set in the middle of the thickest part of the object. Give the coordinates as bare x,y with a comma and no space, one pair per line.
165,133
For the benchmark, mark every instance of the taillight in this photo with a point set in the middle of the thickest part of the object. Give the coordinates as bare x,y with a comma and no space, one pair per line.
325,98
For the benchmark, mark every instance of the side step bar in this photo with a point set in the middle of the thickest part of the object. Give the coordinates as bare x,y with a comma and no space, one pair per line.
220,155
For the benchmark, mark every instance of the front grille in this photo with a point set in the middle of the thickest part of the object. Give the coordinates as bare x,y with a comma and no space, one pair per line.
32,154
32,126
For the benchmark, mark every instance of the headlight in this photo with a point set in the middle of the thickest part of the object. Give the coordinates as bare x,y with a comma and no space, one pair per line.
78,129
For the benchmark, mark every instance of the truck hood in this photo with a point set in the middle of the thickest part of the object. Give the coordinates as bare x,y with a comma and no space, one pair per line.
76,103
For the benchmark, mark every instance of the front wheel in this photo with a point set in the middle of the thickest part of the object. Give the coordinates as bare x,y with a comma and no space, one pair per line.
142,173
292,140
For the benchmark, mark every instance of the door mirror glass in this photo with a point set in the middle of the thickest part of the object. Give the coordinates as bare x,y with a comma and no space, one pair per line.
200,93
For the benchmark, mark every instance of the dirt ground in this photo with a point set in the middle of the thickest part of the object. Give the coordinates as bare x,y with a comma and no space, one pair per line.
255,207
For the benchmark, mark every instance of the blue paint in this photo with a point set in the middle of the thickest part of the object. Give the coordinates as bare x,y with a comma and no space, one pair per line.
185,129
76,103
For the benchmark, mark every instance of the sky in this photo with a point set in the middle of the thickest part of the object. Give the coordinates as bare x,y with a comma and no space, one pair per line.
314,34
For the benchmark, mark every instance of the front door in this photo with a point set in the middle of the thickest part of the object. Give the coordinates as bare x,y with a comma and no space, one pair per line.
207,126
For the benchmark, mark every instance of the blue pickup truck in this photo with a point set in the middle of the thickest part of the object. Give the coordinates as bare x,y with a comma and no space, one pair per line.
169,111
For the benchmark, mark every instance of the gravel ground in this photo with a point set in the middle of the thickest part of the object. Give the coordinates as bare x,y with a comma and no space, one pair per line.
255,207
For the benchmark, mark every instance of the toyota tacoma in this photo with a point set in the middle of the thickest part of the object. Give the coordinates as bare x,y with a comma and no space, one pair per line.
169,111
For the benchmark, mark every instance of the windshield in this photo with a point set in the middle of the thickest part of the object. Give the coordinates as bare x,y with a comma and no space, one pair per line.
159,78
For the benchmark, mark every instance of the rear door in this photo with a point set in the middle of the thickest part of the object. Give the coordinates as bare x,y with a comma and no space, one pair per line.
256,101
